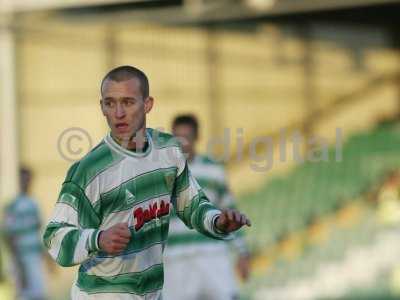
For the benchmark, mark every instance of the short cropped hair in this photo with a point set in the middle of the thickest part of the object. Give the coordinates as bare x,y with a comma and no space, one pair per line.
187,119
123,73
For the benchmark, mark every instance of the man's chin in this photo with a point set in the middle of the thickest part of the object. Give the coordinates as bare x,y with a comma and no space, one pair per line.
122,137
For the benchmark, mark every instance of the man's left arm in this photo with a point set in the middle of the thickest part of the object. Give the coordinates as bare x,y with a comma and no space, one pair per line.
195,210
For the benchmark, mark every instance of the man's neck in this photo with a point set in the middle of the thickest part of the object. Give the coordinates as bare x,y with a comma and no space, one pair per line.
138,141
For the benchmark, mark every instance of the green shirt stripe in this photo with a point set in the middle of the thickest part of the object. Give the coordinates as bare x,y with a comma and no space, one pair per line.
74,196
51,231
139,283
144,187
94,163
182,181
66,254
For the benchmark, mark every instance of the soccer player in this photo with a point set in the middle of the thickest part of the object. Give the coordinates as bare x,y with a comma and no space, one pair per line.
22,226
112,214
209,275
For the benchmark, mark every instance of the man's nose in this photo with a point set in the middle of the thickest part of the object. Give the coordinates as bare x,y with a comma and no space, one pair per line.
120,111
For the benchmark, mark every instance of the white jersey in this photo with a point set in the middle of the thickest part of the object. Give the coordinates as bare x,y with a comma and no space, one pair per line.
112,185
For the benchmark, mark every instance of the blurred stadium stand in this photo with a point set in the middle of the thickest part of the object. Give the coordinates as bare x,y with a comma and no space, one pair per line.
317,223
259,66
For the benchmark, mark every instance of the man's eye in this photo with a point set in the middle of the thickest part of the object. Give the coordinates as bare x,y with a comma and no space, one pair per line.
128,102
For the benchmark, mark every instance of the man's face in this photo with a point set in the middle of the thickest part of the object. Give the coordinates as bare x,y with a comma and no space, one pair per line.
124,107
187,137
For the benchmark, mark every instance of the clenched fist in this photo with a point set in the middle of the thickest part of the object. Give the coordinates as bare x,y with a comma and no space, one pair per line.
230,220
115,239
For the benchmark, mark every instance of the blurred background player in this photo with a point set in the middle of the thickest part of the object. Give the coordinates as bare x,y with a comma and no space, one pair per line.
22,234
197,267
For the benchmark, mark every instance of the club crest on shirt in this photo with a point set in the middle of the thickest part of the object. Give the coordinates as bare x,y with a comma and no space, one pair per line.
169,180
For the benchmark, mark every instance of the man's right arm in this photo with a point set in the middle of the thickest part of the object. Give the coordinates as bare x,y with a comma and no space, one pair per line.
71,236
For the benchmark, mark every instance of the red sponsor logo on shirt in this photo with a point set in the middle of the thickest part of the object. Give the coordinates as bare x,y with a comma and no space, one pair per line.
145,215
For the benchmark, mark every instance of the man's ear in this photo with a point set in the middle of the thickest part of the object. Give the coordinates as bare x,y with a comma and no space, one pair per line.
102,107
148,104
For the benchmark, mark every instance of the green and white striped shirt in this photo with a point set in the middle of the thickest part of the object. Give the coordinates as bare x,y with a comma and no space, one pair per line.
22,223
211,177
112,185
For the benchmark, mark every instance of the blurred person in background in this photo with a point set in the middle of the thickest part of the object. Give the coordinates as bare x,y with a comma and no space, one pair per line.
197,267
22,234
113,212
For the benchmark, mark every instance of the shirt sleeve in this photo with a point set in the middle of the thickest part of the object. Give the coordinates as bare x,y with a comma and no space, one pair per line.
191,204
72,232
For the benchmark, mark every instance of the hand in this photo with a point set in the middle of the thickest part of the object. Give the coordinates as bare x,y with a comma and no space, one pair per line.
243,266
115,239
231,220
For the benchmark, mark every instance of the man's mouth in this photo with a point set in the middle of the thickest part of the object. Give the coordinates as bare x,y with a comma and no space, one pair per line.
121,126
